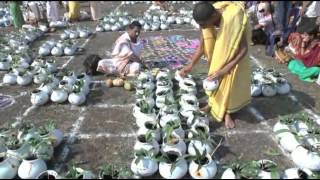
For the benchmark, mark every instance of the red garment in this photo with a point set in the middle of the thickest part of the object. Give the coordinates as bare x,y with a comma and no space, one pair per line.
311,56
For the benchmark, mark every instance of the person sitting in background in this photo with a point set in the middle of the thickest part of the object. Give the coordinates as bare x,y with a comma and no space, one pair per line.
303,57
264,28
125,55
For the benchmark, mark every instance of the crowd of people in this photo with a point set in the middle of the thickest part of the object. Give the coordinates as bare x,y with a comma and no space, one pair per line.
36,14
290,32
288,29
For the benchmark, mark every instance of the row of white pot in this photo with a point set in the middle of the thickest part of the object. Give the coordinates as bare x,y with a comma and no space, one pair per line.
71,88
19,60
265,169
57,48
268,83
24,37
38,72
147,122
301,140
74,34
25,151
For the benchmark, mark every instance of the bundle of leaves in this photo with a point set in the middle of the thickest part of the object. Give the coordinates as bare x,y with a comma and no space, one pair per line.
145,107
171,158
49,127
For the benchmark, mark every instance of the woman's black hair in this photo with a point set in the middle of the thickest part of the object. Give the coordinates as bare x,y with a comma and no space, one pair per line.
203,11
135,24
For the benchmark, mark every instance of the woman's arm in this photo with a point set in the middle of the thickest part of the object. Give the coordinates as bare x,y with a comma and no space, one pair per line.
240,54
195,59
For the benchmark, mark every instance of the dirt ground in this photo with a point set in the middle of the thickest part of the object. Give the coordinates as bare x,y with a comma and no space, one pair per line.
102,131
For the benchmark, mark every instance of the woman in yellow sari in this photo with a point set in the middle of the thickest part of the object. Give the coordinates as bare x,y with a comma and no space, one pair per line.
225,31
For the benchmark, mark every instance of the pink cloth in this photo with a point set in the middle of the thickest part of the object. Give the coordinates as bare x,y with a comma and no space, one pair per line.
123,59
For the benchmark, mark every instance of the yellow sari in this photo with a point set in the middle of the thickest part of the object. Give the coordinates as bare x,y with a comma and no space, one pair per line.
74,10
220,47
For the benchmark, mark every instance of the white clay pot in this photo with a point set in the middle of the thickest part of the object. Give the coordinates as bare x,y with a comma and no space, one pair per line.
10,79
39,98
55,136
152,147
169,118
188,85
269,90
31,169
59,96
70,79
9,167
145,167
65,86
83,34
4,65
141,118
178,172
51,66
39,78
304,158
107,27
207,171
24,80
194,119
69,51
256,89
179,147
297,173
150,126
20,153
56,51
74,35
49,174
47,88
100,28
282,86
77,98
210,85
229,174
289,142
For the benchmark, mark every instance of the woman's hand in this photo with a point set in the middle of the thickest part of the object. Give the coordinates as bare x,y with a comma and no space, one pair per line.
218,74
187,69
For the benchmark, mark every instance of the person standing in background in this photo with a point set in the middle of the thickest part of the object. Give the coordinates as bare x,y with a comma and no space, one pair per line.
16,13
52,11
95,8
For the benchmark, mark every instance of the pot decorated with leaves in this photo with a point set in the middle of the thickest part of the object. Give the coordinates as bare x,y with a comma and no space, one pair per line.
268,170
172,142
47,88
172,165
297,173
168,118
144,164
173,127
79,173
39,78
26,131
39,98
256,88
59,95
69,50
188,102
51,66
113,172
202,166
201,140
85,78
10,79
49,174
147,142
306,156
44,50
70,78
188,85
197,117
24,78
52,133
16,149
66,86
8,165
151,127
144,113
41,148
242,170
